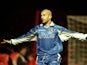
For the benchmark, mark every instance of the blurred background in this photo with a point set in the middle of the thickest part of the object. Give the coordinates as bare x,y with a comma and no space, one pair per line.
18,17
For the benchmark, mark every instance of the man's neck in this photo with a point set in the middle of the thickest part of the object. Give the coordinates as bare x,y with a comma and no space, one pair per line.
47,24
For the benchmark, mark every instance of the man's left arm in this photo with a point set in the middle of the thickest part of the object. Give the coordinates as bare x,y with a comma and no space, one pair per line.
80,36
66,34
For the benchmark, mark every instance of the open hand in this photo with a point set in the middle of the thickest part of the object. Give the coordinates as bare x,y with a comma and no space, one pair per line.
5,41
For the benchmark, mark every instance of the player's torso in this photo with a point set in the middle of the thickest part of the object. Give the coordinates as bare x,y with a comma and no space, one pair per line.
47,37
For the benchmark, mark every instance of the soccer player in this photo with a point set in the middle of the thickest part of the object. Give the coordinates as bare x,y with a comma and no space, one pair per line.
49,37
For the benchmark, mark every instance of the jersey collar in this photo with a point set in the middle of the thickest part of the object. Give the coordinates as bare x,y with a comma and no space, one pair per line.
52,24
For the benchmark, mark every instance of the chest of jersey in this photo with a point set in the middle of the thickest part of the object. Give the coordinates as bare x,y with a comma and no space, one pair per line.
49,32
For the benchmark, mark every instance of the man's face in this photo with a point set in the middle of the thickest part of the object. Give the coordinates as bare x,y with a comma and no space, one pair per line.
23,51
45,16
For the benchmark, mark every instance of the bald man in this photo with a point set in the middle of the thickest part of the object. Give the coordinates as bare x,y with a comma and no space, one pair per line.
49,37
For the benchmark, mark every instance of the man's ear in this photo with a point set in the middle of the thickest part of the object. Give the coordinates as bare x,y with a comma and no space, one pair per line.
50,17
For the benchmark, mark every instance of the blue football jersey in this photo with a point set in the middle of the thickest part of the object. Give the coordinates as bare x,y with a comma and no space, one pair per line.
49,39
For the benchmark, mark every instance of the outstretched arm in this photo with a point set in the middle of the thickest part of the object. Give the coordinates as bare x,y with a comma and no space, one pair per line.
30,36
66,34
64,37
6,41
80,36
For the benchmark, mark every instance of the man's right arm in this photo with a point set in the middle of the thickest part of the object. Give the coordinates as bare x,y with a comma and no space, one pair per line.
30,36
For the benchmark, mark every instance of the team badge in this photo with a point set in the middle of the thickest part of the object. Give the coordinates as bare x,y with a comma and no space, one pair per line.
51,29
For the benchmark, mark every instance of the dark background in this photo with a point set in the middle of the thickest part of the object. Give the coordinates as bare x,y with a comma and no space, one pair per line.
18,17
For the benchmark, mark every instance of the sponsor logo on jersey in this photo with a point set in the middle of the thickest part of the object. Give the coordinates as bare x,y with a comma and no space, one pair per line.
46,36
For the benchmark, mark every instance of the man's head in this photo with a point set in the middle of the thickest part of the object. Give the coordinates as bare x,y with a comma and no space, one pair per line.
46,15
23,50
